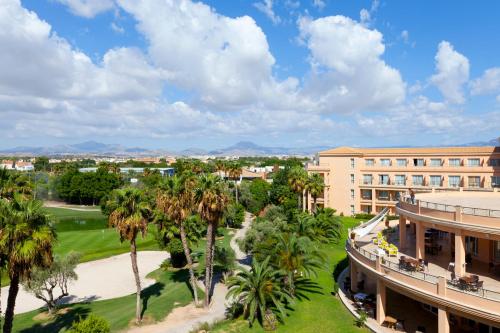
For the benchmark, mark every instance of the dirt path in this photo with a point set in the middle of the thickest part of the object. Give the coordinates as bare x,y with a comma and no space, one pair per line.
97,280
59,204
186,318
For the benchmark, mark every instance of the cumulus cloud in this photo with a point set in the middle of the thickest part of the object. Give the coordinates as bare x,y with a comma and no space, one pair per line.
348,73
87,8
488,83
266,7
452,72
320,4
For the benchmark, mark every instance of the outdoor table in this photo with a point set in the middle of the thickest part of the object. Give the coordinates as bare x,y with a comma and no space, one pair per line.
360,297
391,322
380,252
413,262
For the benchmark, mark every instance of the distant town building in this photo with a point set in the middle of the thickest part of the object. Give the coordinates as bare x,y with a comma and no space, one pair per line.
7,165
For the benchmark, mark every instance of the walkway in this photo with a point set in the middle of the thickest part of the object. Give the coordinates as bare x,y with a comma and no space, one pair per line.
187,318
98,280
60,204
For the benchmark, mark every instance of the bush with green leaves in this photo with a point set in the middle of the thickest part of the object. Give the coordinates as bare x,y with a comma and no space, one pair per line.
255,195
224,258
234,215
91,324
177,256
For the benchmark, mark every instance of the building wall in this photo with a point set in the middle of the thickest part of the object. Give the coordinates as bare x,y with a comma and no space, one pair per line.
336,166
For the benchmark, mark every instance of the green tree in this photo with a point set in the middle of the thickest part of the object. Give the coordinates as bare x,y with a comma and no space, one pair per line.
130,216
255,195
43,281
25,242
297,179
211,198
176,200
259,290
42,164
315,186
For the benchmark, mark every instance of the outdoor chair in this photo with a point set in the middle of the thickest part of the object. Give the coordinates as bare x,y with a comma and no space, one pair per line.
477,286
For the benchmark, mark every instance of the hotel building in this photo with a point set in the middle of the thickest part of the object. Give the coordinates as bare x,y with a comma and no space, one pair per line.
436,269
370,179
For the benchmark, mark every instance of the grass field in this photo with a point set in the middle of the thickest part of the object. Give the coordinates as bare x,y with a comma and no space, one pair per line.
321,312
158,300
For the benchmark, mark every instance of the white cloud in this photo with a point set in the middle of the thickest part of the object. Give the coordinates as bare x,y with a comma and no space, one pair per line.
320,4
87,8
266,6
488,83
366,15
116,28
452,72
405,35
348,73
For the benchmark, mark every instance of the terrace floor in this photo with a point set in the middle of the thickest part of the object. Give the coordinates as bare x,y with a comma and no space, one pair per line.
438,264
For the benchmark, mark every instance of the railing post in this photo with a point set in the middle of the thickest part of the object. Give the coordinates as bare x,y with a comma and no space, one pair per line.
441,286
418,206
378,264
458,213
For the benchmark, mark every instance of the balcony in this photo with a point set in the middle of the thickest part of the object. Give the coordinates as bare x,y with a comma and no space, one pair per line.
434,284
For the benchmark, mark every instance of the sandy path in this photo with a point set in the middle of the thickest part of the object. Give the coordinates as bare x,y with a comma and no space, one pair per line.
185,319
59,204
100,279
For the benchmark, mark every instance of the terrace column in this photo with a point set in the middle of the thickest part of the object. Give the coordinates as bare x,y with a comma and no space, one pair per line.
459,253
402,232
374,206
381,301
443,321
354,277
420,240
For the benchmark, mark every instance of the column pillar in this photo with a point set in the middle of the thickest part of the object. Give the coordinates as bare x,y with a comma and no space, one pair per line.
374,206
354,277
402,232
420,241
459,253
381,301
443,321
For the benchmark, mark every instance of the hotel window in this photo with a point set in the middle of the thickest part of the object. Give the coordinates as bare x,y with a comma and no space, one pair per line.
494,162
496,250
435,180
385,162
367,179
474,181
401,162
370,162
495,181
383,195
352,194
454,162
383,179
454,181
400,180
471,245
366,194
435,162
352,178
418,162
473,162
352,163
418,180
352,210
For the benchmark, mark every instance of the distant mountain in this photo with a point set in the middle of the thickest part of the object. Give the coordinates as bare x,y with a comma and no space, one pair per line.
492,142
246,148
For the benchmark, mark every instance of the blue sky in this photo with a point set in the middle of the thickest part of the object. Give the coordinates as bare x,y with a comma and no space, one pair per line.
177,74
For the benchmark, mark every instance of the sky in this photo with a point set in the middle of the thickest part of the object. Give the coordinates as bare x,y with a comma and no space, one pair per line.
175,74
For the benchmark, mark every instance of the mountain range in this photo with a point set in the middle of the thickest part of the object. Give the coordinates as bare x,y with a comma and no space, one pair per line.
242,148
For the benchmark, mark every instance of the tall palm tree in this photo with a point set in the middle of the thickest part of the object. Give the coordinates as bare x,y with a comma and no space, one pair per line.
259,290
130,214
234,172
220,167
26,239
315,185
211,198
297,179
176,200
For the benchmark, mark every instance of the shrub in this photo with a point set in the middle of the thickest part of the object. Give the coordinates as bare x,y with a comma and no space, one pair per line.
364,216
234,216
177,257
224,258
91,324
361,320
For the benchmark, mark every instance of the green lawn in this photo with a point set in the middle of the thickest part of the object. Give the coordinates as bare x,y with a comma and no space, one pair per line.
158,300
73,220
322,312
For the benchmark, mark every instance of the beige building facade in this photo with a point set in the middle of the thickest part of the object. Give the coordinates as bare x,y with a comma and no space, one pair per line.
369,179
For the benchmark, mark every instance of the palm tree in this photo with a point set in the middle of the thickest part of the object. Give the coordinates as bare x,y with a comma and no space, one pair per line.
234,172
328,227
26,240
297,257
176,200
297,179
315,185
130,214
211,198
259,290
220,166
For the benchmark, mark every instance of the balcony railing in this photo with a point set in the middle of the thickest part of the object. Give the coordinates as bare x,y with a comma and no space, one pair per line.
453,208
423,276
